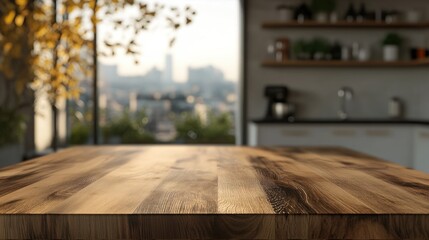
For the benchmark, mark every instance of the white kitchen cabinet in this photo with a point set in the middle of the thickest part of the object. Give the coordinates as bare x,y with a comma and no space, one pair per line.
391,142
421,149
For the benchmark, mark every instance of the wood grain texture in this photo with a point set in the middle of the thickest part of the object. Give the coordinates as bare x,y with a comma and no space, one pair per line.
135,192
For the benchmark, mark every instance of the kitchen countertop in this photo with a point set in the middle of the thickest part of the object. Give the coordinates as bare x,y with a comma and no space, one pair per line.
212,192
338,121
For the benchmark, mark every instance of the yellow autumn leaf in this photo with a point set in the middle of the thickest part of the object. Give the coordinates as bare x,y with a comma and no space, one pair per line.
92,4
50,44
19,20
21,3
8,19
42,31
75,93
7,47
55,84
95,20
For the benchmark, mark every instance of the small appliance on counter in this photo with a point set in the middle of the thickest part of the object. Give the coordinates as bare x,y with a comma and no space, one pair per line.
278,105
396,108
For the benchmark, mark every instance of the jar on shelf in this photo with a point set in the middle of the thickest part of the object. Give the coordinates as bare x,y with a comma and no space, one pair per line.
364,54
282,49
285,13
346,54
391,16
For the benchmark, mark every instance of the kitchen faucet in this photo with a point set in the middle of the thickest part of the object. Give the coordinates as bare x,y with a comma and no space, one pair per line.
345,94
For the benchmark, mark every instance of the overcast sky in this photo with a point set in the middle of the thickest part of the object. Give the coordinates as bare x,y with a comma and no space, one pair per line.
213,39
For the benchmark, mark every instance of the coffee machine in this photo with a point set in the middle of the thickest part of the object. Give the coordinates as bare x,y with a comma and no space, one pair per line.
278,106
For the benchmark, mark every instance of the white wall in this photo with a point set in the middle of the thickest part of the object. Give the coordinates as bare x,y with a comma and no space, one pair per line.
315,89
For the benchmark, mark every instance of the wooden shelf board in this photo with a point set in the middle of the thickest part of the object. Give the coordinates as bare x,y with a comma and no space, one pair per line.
301,63
342,24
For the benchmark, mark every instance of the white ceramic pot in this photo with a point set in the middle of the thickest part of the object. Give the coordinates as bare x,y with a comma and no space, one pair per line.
11,154
285,14
333,17
322,17
390,53
413,16
364,54
318,56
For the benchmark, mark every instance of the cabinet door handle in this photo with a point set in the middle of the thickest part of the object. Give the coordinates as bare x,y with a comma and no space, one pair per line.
295,133
378,133
344,133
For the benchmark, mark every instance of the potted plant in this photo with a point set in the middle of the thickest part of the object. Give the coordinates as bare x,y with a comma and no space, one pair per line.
302,50
321,49
323,9
12,127
391,44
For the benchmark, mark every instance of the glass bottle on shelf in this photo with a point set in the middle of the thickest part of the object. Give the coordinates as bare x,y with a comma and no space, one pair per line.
336,51
350,14
355,50
303,13
271,52
362,14
345,53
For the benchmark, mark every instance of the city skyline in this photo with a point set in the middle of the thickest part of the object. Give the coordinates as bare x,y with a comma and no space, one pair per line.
166,73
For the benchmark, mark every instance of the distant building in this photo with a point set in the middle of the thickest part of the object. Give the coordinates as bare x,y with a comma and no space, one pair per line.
168,70
208,82
153,75
204,75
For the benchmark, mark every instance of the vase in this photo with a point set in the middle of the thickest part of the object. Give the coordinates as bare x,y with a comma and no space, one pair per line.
390,53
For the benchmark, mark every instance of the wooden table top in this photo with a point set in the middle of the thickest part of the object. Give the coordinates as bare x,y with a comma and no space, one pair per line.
199,182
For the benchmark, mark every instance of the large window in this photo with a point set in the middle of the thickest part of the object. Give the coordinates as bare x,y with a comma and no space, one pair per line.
184,93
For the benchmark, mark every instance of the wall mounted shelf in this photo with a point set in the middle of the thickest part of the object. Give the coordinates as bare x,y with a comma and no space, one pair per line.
367,64
342,24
